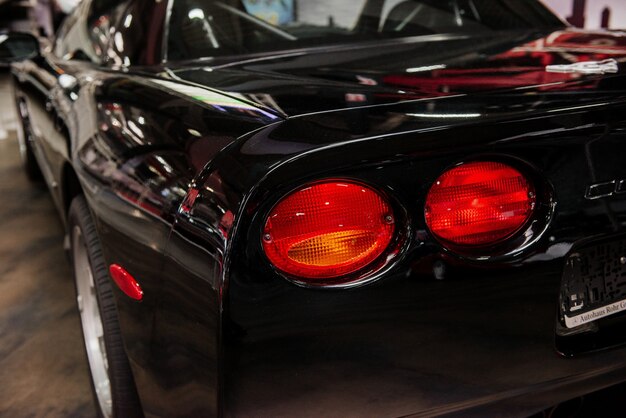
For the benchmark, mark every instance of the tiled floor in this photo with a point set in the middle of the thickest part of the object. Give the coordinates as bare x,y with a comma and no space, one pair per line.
43,368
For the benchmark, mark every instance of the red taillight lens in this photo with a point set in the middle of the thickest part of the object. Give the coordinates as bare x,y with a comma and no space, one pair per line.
327,230
479,203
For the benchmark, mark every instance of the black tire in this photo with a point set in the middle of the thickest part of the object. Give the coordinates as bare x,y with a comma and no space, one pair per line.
125,402
24,137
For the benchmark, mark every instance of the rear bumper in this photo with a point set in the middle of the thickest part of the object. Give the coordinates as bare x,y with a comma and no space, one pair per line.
472,344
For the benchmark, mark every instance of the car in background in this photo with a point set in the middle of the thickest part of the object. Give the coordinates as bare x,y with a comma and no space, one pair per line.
368,208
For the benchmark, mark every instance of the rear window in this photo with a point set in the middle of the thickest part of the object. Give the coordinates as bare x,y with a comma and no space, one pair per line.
206,28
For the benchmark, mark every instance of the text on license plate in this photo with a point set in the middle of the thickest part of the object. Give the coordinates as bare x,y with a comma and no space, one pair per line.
604,311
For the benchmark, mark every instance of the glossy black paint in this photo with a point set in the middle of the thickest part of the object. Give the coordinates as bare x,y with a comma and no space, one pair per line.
181,162
483,330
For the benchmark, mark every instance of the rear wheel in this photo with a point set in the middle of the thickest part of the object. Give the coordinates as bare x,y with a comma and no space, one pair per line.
111,378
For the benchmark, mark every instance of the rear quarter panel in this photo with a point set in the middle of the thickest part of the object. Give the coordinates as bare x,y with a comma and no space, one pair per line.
480,340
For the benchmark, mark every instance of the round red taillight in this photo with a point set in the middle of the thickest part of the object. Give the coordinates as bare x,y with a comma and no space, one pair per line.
479,204
327,230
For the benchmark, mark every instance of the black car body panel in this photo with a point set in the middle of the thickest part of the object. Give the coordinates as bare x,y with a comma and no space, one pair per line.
402,328
181,162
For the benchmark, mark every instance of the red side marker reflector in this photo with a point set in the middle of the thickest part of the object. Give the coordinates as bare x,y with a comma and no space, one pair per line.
126,282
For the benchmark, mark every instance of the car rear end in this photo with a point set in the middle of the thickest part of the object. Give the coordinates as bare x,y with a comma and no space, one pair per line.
498,279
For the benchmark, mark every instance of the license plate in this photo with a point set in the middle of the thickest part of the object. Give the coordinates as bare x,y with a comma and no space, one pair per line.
594,283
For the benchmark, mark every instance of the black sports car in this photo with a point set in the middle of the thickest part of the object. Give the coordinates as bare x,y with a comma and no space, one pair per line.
364,208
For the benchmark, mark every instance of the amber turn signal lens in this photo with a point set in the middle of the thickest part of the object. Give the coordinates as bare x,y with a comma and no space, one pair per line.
328,230
479,204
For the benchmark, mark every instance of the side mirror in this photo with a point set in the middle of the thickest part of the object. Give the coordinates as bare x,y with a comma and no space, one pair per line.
16,46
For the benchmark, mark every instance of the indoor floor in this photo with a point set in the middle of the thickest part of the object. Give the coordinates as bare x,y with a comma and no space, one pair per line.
43,368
